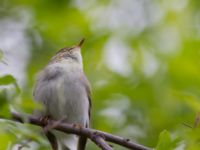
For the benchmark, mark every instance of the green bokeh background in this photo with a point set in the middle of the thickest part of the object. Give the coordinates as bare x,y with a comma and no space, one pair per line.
151,94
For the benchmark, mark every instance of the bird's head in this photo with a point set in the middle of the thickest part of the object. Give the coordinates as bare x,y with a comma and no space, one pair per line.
71,54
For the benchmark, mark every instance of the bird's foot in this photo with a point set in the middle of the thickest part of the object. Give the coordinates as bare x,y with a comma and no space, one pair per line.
52,125
45,119
78,126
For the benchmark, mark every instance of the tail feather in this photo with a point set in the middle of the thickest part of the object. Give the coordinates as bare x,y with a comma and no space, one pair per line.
65,148
66,141
52,139
82,143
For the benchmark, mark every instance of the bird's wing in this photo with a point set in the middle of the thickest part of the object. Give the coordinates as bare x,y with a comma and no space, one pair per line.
88,90
86,84
83,140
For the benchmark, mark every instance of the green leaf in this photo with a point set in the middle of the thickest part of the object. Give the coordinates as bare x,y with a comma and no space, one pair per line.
5,140
165,142
6,137
4,106
7,79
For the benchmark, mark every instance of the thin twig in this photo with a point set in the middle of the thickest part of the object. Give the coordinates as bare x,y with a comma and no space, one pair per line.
99,140
87,132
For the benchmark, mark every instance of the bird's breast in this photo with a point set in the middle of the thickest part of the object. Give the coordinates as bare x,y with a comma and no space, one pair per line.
70,99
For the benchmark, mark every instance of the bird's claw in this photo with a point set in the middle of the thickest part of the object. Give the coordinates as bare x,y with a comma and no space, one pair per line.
78,126
51,125
45,119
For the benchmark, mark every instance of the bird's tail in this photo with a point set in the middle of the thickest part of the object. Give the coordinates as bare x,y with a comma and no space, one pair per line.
82,143
66,141
53,141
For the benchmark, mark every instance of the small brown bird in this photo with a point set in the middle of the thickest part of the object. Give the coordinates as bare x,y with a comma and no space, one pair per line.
64,91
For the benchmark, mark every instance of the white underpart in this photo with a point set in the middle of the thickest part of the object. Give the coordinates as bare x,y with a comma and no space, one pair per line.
64,96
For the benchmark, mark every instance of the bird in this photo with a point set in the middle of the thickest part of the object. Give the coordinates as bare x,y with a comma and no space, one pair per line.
65,94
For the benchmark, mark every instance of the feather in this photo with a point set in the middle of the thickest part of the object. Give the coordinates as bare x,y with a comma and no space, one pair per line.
65,92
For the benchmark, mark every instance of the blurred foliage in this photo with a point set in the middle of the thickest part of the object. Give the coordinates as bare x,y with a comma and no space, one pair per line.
141,57
166,142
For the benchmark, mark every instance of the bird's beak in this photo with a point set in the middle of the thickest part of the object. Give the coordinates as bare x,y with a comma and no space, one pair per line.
80,43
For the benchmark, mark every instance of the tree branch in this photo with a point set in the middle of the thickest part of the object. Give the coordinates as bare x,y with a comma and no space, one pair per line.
100,141
96,136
